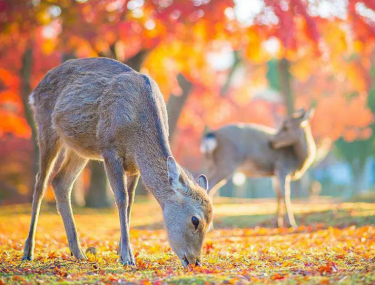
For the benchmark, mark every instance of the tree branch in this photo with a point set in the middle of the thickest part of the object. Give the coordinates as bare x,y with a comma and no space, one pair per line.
232,71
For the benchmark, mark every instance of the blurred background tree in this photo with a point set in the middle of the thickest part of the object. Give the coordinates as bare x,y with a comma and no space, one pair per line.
216,61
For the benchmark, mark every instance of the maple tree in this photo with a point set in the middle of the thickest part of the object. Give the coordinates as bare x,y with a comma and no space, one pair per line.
322,59
213,68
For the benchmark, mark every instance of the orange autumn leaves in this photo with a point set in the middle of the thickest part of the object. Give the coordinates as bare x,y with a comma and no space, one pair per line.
347,118
312,254
11,107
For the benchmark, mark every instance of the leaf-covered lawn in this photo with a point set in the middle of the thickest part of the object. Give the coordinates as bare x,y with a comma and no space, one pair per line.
334,245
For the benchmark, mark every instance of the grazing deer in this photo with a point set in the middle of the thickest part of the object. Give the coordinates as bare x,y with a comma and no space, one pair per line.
258,151
98,108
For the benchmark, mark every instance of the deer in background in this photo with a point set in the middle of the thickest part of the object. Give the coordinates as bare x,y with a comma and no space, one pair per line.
258,151
98,108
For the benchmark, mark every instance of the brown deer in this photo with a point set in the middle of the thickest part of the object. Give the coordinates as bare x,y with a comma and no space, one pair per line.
98,108
258,151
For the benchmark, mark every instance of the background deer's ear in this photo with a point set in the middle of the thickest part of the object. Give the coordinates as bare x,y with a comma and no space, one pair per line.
306,118
202,181
173,173
309,114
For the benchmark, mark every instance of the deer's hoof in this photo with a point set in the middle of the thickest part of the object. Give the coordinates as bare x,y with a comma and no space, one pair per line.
292,225
81,256
127,262
27,257
78,253
28,253
127,258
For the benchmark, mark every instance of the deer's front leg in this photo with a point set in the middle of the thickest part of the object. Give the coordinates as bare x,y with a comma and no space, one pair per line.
288,204
117,180
284,184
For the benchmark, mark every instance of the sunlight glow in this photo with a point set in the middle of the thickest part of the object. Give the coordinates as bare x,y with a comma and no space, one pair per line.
134,4
49,32
150,25
221,60
272,45
246,11
365,12
54,11
239,179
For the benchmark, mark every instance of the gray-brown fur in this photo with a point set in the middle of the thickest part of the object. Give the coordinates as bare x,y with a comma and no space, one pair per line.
101,109
258,151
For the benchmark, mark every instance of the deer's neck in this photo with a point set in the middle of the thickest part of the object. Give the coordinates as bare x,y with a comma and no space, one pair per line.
304,150
153,147
151,159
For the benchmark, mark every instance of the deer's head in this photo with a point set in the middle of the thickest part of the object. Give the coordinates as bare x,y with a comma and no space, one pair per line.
292,129
187,214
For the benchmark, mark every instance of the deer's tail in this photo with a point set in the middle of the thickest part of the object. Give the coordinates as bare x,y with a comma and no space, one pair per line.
209,143
32,101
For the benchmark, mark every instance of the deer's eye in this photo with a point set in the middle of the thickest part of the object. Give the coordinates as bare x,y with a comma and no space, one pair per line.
195,221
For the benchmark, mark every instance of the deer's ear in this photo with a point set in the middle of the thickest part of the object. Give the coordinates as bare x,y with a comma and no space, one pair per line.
173,173
299,114
202,181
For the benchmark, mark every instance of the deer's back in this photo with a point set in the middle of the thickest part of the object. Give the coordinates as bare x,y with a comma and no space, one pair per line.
65,75
92,103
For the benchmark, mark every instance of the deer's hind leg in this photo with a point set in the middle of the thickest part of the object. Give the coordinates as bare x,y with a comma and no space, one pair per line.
222,163
219,176
280,202
62,186
132,182
49,148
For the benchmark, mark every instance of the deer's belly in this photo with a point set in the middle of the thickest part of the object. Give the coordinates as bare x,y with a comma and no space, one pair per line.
253,169
88,150
77,130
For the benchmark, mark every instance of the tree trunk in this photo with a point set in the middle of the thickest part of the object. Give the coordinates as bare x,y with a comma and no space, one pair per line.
358,171
232,71
285,84
98,194
68,55
137,60
176,104
26,69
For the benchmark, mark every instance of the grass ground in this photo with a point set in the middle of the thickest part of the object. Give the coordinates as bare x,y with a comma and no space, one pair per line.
335,244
